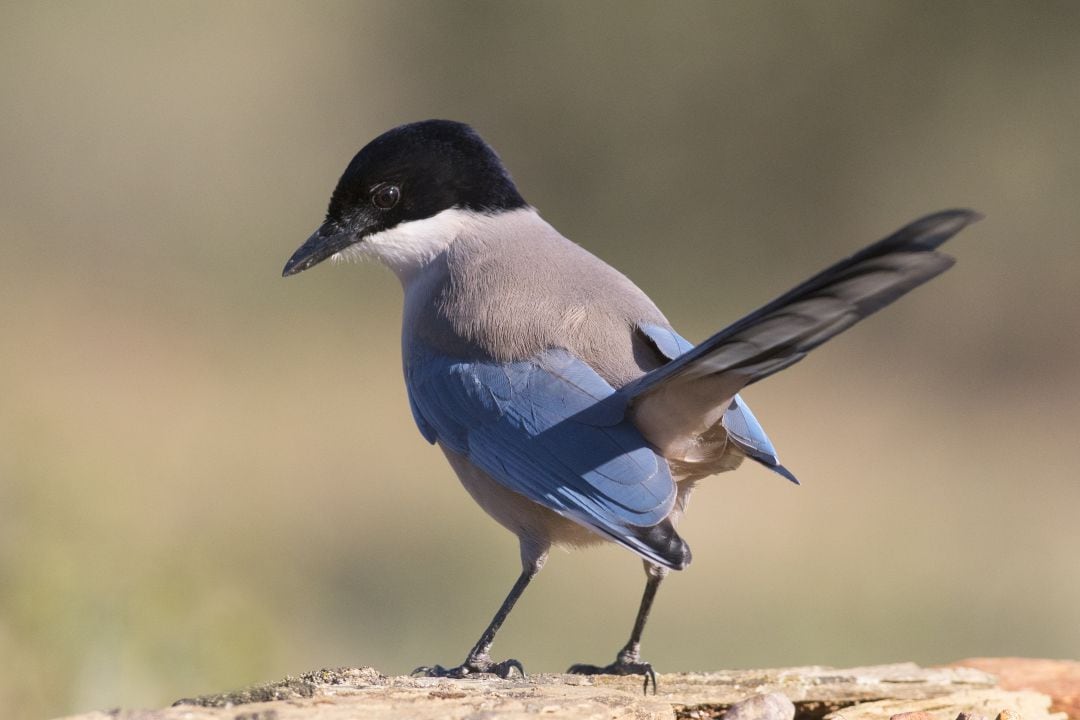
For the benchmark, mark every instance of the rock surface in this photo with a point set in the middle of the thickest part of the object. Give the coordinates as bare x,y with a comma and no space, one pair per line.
809,693
770,706
1060,679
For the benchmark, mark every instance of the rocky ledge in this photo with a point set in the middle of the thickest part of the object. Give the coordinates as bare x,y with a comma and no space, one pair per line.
1018,690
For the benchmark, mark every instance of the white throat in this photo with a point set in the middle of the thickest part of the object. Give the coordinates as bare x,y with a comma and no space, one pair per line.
409,246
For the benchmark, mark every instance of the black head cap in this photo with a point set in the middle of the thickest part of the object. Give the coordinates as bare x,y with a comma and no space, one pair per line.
437,164
409,173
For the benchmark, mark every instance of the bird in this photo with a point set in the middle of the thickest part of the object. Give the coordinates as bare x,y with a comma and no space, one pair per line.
563,399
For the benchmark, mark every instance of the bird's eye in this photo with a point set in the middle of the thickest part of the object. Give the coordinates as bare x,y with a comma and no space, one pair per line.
385,197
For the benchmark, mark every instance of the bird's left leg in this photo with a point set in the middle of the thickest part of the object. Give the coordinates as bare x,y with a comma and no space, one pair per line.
478,660
628,661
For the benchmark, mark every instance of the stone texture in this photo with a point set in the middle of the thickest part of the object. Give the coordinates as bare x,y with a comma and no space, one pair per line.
987,703
809,693
913,715
770,706
1060,679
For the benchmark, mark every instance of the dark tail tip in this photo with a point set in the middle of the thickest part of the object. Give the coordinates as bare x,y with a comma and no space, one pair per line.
930,231
671,549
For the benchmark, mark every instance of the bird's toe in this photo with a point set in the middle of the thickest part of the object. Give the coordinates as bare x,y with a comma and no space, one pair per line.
473,666
619,667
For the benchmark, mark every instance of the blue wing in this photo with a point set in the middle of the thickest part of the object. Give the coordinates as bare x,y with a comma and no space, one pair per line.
741,425
551,429
746,432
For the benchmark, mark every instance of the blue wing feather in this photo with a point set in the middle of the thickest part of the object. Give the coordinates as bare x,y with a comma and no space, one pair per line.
670,343
551,429
746,432
741,425
425,427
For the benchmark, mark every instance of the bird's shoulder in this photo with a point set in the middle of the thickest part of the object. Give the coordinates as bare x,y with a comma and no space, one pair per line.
514,288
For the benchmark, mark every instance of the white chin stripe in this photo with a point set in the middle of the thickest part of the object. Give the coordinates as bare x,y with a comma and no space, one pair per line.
409,246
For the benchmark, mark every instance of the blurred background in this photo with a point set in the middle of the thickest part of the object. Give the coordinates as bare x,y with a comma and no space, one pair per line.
209,476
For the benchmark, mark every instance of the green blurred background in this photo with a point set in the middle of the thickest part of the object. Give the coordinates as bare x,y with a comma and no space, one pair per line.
209,475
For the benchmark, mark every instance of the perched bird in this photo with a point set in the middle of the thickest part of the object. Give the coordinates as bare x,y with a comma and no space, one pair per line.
561,396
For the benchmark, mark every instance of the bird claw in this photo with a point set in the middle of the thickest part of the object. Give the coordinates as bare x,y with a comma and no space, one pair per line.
619,667
472,666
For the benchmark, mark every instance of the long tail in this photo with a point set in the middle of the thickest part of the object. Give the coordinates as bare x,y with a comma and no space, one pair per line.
690,389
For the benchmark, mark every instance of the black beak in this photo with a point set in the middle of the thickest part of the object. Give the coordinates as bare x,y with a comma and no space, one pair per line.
324,242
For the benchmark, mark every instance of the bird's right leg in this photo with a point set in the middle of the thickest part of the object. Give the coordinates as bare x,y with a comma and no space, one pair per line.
478,660
628,661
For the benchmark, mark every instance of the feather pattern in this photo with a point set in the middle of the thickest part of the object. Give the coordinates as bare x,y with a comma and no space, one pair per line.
783,331
739,423
550,429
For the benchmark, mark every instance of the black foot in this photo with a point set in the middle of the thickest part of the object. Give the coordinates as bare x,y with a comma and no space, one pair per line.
619,667
472,666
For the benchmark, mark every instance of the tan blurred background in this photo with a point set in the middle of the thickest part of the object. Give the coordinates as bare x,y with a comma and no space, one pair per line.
209,475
